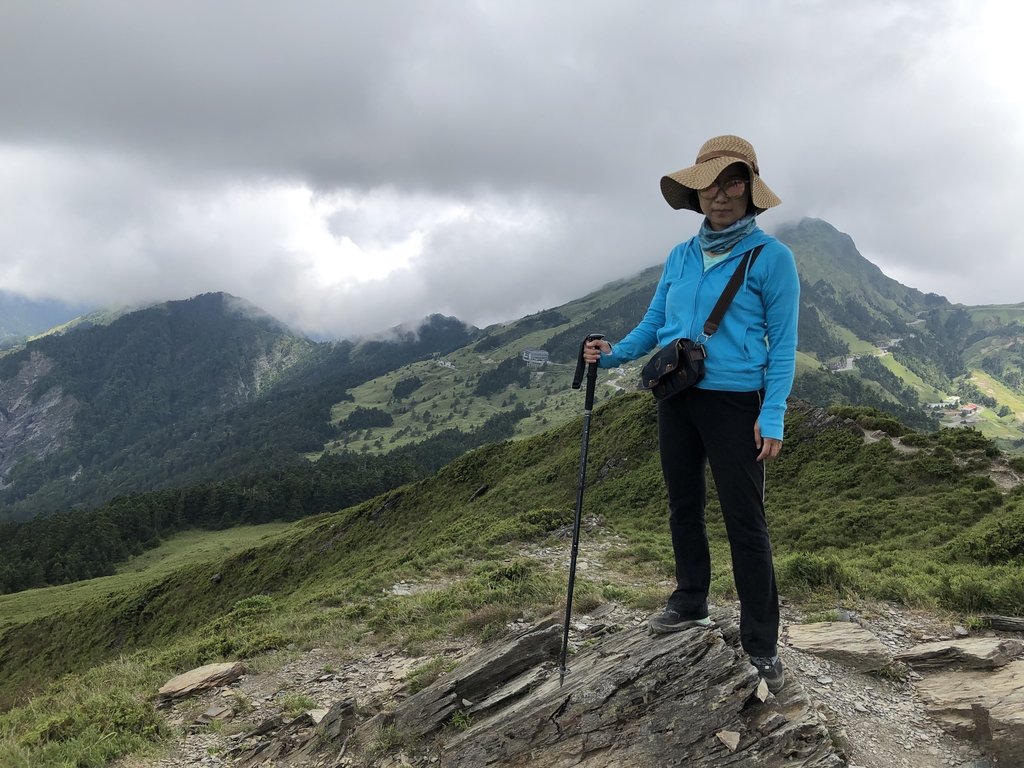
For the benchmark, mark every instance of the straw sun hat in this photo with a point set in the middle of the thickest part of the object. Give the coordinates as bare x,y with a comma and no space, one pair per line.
715,156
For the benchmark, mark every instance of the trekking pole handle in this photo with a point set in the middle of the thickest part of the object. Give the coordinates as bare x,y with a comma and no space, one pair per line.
588,404
591,372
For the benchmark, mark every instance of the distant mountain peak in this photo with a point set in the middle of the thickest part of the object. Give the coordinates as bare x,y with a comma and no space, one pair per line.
235,306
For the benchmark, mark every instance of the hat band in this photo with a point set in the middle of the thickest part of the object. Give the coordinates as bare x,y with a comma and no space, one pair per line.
726,153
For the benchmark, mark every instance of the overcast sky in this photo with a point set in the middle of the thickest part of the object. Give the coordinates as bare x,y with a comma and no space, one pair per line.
348,166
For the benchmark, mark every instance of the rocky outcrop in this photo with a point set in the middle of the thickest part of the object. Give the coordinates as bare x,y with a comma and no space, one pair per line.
687,699
482,685
972,686
979,692
633,699
34,419
986,707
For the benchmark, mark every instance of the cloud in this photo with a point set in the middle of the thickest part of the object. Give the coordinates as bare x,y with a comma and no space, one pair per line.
350,166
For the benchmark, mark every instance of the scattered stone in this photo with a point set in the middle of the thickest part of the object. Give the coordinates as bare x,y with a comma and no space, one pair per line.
972,653
731,739
215,712
762,693
843,642
199,679
267,726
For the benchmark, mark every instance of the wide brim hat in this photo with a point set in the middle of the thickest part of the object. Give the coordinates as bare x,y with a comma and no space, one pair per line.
715,156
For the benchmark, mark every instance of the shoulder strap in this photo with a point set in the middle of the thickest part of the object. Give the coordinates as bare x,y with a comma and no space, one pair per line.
715,318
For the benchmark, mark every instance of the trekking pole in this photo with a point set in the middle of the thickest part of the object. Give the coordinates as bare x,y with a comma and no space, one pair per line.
591,371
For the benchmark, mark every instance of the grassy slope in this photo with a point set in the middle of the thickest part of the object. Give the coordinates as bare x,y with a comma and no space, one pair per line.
846,517
857,345
925,393
189,548
999,314
1005,396
446,395
1006,429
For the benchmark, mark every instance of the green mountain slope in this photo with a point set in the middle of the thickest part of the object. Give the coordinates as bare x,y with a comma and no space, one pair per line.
175,394
909,349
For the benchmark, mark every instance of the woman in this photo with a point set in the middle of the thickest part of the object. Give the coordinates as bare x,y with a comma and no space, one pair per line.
732,419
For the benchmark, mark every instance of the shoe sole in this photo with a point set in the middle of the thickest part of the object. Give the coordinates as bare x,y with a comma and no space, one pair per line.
666,629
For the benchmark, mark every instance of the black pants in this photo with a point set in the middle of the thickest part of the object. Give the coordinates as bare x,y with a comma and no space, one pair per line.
700,427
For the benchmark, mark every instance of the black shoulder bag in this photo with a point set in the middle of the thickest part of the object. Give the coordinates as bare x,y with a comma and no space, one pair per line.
679,365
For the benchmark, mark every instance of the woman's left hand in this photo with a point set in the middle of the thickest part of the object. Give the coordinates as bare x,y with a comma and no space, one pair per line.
769,446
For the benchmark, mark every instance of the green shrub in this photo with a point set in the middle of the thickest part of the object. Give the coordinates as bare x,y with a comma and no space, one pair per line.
1008,591
915,439
406,387
803,571
967,439
546,519
966,591
363,418
461,720
516,571
250,607
996,539
870,419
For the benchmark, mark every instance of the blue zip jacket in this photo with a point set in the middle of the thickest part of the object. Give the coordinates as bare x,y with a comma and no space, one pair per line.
755,346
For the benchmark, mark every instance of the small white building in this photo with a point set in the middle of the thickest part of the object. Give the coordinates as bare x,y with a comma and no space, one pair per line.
535,358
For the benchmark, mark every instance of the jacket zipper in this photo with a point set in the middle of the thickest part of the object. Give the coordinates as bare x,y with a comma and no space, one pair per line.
695,317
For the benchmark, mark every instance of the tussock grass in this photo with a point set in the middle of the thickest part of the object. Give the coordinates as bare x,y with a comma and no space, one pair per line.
86,720
426,674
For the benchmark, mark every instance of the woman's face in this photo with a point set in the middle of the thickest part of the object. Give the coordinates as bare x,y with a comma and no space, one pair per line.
725,201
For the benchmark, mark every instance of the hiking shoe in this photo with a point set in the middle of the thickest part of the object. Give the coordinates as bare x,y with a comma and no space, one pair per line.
670,621
771,671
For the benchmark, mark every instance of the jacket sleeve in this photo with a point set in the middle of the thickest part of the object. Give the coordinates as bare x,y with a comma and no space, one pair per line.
644,337
781,296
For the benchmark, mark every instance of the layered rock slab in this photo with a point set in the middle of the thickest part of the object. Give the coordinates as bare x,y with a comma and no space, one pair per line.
632,699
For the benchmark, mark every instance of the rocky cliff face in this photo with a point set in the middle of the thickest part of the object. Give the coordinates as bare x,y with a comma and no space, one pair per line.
33,424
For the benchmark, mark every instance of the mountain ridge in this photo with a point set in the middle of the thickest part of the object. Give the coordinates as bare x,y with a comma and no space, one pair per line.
164,408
